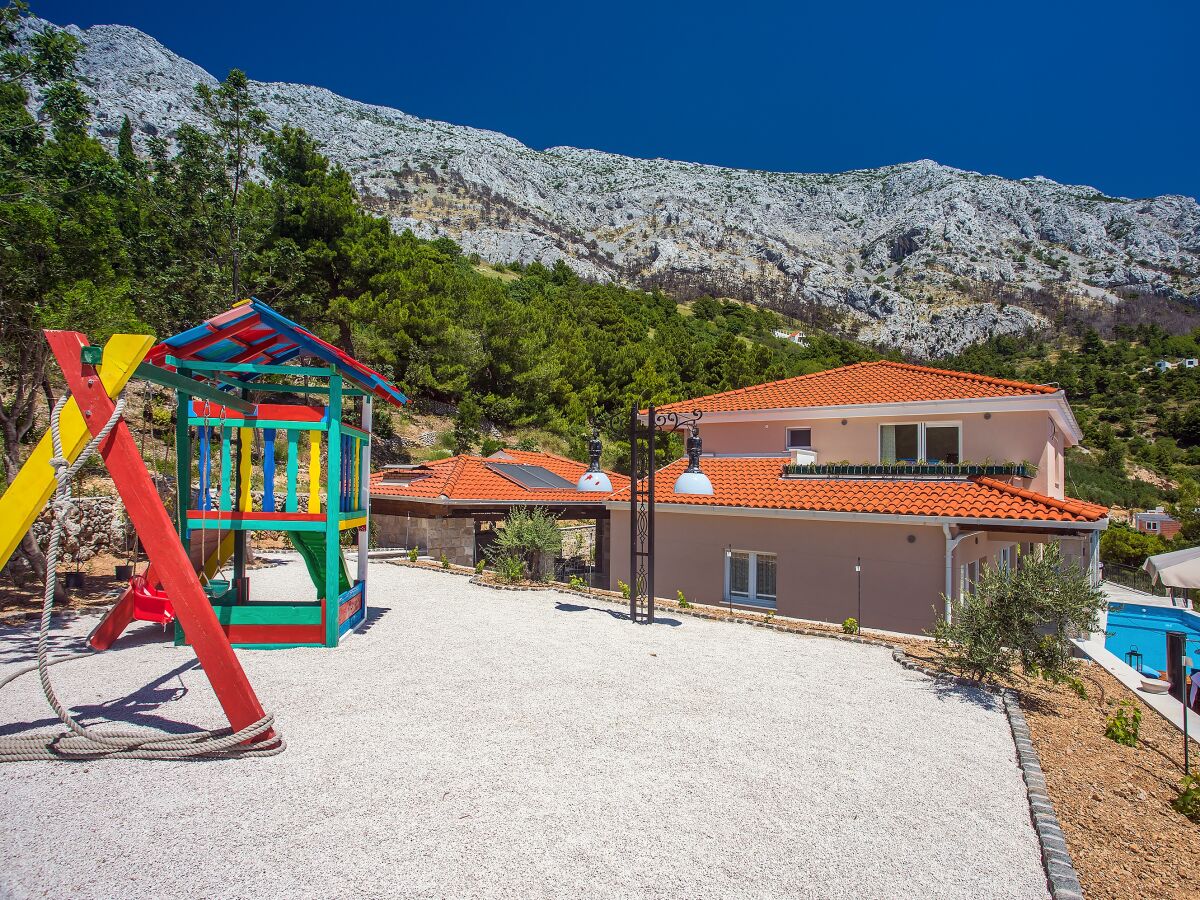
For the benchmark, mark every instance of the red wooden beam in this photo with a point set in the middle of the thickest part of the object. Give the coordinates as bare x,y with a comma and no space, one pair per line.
157,534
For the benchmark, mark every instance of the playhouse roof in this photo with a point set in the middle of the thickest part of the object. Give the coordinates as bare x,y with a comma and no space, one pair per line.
252,332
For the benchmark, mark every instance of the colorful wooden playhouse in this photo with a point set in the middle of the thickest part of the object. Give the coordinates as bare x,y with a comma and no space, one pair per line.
313,467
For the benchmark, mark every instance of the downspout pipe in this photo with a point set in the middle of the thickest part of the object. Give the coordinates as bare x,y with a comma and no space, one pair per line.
951,543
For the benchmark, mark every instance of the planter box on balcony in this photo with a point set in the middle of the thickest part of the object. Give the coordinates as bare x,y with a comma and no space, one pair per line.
907,470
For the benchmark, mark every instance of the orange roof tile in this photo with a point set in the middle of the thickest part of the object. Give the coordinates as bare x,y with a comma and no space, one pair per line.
465,478
758,483
868,382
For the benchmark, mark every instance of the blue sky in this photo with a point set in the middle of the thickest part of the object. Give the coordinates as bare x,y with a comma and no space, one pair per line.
1097,93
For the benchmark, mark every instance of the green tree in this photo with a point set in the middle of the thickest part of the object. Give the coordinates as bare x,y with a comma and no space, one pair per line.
466,425
239,127
1024,616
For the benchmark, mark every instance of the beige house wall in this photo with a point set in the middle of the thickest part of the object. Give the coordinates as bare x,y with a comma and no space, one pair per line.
903,566
1003,437
901,579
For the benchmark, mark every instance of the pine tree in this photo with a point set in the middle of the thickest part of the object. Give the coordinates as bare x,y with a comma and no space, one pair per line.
240,127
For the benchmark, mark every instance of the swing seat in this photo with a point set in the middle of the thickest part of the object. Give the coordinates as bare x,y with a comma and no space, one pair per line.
149,603
216,588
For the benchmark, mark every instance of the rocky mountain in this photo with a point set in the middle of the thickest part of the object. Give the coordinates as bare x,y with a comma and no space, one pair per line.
919,255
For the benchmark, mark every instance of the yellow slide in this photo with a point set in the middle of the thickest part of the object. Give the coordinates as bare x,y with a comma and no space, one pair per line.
31,490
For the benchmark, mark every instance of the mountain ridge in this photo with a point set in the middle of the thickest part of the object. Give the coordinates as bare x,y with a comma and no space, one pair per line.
917,255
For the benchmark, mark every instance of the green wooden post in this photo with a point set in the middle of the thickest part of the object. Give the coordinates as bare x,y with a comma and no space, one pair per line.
333,534
183,462
226,494
293,469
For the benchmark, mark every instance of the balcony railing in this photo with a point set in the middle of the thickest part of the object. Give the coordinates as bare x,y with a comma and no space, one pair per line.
908,470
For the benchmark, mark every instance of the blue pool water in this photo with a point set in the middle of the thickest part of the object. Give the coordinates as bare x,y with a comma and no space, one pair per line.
1146,627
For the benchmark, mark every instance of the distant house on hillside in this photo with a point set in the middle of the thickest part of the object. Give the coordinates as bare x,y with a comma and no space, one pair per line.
796,337
1191,362
1163,365
1156,521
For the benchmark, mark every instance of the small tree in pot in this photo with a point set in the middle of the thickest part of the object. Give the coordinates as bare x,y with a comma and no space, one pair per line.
1026,615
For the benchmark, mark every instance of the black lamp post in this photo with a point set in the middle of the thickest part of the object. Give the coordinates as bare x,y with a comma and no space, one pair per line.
858,574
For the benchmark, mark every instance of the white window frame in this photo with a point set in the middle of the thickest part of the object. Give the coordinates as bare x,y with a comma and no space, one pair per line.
787,437
1151,525
921,426
751,598
1005,559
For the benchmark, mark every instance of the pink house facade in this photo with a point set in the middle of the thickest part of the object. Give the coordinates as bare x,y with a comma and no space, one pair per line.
874,491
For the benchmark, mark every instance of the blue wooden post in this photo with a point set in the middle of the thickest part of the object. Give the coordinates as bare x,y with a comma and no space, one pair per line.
268,470
333,534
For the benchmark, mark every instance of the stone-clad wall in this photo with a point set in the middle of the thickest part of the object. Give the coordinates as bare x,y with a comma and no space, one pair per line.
432,537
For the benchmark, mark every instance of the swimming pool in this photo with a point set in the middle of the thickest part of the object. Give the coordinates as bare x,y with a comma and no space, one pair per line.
1145,627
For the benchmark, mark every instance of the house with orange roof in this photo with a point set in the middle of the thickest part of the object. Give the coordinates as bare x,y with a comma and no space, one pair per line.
884,481
450,506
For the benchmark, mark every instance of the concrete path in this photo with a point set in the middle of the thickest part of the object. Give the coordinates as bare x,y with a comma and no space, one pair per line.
476,743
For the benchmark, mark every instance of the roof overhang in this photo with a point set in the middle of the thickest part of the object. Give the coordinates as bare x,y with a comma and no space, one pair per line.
1032,525
1054,405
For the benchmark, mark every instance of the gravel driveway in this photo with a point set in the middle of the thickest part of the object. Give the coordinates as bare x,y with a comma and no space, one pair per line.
476,743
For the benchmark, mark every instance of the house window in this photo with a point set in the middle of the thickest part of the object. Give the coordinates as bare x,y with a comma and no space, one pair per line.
750,578
1005,559
968,577
799,439
909,442
1152,525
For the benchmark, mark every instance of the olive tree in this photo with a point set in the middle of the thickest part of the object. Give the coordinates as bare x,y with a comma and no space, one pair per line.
527,535
1022,615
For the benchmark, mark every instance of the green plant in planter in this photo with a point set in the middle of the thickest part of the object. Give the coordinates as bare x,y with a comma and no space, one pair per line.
682,600
479,567
850,626
1188,801
576,583
623,588
445,562
412,554
1124,724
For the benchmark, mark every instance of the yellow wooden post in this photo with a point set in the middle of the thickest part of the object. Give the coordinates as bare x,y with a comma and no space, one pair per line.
314,471
245,445
27,496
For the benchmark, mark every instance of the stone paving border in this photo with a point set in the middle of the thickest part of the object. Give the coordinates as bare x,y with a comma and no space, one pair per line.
1056,858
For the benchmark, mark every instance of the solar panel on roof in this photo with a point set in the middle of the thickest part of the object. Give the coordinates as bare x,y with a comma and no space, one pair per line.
535,478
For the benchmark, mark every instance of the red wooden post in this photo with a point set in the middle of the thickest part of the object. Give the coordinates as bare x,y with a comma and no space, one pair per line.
157,534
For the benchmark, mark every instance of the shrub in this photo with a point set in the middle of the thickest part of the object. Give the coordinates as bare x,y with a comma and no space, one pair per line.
1188,801
1023,615
479,567
682,600
412,554
1124,724
850,626
527,535
623,588
510,569
445,562
576,583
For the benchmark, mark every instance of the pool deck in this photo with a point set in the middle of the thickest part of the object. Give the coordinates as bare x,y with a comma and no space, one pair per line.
1119,593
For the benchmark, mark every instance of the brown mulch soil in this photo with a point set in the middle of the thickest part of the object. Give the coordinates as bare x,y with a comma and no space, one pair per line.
99,583
1113,801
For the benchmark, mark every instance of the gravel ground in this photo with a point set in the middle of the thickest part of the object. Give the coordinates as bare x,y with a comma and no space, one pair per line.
475,743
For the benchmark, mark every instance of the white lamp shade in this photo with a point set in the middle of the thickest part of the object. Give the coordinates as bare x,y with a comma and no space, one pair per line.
594,481
694,483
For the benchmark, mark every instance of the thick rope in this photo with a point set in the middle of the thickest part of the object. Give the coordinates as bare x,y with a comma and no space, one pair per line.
82,742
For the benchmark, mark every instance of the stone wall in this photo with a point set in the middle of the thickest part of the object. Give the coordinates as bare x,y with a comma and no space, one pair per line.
432,537
97,525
